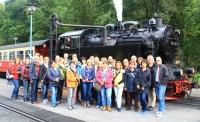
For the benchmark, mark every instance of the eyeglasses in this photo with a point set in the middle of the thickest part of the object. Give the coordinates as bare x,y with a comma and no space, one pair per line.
158,60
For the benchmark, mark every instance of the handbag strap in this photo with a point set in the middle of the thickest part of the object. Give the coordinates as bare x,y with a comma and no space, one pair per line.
116,76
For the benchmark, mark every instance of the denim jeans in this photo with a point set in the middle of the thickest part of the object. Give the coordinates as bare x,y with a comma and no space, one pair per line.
15,89
70,97
26,84
34,90
99,100
106,96
118,96
44,91
87,91
160,93
54,90
143,100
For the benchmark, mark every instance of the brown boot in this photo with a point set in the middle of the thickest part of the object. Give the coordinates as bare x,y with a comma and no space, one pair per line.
109,108
103,108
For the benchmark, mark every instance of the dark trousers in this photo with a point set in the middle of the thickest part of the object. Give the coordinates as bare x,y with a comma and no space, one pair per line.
113,98
126,98
143,100
132,96
60,90
34,90
80,91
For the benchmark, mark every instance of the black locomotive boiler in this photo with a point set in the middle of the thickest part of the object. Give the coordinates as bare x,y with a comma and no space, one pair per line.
122,40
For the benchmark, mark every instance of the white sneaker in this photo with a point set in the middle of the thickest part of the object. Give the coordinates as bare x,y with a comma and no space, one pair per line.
159,114
74,107
70,108
43,101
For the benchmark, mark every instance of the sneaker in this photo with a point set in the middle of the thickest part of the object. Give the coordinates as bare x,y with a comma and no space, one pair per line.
43,101
97,106
53,105
70,108
119,109
74,107
159,114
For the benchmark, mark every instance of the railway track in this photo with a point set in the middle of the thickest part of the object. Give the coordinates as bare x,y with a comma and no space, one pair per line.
190,101
22,113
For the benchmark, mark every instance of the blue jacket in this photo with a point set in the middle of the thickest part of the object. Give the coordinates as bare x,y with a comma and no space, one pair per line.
79,68
53,74
131,80
88,73
33,73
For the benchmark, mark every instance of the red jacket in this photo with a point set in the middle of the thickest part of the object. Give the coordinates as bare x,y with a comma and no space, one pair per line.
14,71
109,78
25,72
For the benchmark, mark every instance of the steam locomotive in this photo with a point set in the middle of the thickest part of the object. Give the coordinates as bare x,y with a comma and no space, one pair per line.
122,40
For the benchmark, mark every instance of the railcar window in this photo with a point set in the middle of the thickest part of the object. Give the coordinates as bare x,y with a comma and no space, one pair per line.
20,55
27,53
4,55
12,55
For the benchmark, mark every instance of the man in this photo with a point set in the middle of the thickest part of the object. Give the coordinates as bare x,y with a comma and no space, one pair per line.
33,76
134,59
151,92
67,60
161,78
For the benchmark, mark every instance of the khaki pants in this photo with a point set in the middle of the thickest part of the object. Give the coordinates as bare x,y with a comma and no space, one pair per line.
151,97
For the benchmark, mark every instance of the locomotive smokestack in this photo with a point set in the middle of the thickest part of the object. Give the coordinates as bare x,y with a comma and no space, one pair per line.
159,21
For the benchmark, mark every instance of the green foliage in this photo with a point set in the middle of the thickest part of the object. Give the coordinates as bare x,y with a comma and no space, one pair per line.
182,14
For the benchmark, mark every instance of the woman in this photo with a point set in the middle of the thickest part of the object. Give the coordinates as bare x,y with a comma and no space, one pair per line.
99,100
43,78
118,84
88,75
104,77
25,78
54,77
144,78
131,86
14,71
72,83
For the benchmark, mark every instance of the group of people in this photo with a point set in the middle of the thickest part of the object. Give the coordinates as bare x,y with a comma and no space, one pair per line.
104,80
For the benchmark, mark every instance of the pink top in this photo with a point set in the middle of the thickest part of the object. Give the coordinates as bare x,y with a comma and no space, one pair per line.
109,78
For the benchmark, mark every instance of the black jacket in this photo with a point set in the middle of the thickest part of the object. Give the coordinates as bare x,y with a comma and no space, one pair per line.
153,75
43,74
163,74
144,78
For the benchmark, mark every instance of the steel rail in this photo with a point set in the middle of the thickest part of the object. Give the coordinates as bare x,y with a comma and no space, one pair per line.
20,112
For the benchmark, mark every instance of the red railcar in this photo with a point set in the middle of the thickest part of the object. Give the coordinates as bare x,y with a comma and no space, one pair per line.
22,51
